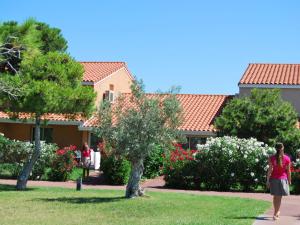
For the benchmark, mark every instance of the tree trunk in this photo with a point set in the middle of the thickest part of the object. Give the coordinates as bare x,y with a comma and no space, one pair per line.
133,188
23,177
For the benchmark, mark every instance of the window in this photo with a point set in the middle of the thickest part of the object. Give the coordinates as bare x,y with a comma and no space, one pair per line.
111,87
46,134
109,96
191,142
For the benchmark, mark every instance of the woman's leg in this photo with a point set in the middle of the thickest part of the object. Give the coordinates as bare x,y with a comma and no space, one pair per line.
88,172
276,203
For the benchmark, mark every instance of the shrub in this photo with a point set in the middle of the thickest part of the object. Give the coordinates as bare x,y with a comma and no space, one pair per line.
63,164
181,170
13,151
153,163
230,162
296,176
10,170
17,153
116,169
182,175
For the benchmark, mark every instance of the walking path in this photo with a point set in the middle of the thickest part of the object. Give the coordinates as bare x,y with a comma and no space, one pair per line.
290,209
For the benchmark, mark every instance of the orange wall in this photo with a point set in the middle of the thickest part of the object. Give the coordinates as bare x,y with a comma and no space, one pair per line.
119,79
66,135
63,135
16,131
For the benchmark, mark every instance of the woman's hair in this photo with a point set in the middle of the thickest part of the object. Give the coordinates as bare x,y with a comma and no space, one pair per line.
278,154
85,146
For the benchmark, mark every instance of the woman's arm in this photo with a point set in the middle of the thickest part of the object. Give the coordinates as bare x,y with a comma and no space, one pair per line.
289,173
270,169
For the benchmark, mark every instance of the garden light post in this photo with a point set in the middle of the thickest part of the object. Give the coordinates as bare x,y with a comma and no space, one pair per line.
79,184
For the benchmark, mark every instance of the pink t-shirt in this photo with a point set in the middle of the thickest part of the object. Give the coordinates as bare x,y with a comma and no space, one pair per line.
278,171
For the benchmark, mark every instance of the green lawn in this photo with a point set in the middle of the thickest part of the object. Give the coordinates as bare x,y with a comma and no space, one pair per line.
67,206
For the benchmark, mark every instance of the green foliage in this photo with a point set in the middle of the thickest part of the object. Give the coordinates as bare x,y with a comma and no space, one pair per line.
27,40
296,182
75,174
53,82
183,174
43,72
10,170
153,163
264,116
116,170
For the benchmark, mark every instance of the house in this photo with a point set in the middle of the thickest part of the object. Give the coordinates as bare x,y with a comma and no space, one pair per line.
108,79
285,77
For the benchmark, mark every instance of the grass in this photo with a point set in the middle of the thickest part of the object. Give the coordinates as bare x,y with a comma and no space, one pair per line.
67,206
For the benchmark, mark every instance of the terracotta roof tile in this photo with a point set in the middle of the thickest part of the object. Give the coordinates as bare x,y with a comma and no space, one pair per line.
276,74
49,116
199,110
96,71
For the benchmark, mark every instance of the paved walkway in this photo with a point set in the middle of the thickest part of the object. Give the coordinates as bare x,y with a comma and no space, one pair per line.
290,209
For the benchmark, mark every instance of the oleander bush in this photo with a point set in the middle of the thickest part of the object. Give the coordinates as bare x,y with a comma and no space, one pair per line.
181,170
222,164
231,162
16,153
63,164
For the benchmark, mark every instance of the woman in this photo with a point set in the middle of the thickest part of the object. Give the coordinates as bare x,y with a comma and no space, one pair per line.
86,159
279,177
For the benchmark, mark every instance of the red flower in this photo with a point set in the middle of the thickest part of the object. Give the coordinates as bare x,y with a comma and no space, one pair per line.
61,152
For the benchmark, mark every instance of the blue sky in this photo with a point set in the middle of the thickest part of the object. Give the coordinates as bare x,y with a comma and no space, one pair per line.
202,46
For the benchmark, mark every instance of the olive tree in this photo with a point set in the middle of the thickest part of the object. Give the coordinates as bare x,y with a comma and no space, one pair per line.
136,124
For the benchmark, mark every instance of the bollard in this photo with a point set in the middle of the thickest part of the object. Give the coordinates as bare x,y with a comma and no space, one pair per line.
79,183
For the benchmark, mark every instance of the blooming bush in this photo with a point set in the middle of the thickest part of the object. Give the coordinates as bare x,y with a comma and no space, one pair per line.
45,160
16,153
230,162
181,170
63,164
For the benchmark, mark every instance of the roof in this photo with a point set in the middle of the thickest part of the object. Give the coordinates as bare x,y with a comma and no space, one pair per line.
49,116
96,71
199,111
275,74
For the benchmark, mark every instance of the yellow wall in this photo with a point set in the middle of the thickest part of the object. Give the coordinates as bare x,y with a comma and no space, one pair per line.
119,79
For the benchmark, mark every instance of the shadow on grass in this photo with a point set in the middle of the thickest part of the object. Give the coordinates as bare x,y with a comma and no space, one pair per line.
81,200
250,217
8,187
